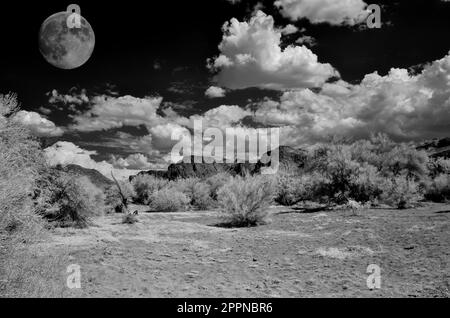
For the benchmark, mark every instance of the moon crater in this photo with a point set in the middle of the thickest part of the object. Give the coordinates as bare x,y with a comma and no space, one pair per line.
63,47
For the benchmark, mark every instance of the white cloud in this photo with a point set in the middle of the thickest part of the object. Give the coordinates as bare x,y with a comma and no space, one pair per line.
115,112
77,99
162,135
221,117
65,153
135,162
407,107
289,29
335,12
215,92
251,56
38,125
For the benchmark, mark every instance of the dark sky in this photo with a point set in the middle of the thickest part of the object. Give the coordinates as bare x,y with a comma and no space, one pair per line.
179,36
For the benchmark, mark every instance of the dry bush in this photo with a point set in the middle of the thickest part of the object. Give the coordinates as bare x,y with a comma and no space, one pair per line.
335,170
201,197
401,192
390,158
21,161
245,201
368,186
198,192
129,219
113,199
22,273
293,188
216,182
404,159
438,167
72,201
145,186
185,186
366,171
169,200
438,190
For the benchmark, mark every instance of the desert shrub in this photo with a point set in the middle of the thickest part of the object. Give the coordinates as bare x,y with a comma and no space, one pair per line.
129,219
198,192
390,158
368,185
22,272
216,182
113,199
400,192
169,200
293,188
21,160
338,170
245,201
359,171
438,166
145,186
438,190
405,160
72,200
185,186
201,197
288,187
371,151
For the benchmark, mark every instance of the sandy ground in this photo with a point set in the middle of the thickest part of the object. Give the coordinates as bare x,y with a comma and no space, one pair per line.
296,255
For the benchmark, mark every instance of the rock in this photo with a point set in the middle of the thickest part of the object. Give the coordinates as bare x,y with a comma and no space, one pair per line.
288,157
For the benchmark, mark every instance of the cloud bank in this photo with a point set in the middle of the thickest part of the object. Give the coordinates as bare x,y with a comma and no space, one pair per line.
405,106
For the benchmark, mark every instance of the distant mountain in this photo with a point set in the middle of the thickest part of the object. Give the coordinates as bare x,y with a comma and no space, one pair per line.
288,157
437,148
96,177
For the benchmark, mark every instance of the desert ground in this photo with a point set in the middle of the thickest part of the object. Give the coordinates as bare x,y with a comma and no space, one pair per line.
298,254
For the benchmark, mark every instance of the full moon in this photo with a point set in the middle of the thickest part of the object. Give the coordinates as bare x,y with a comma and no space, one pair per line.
64,47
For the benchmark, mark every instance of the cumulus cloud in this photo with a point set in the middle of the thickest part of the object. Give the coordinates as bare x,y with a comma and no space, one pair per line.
129,111
78,99
289,29
215,92
115,112
221,117
162,135
64,153
135,162
335,12
405,106
251,56
38,125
